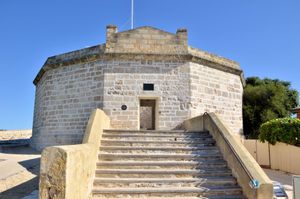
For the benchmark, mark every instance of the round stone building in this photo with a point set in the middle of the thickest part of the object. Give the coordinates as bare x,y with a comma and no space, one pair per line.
143,78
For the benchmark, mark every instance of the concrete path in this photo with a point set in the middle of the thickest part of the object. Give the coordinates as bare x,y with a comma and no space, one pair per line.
33,195
19,171
284,178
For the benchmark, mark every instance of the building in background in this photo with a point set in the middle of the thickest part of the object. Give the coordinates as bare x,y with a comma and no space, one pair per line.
143,78
297,112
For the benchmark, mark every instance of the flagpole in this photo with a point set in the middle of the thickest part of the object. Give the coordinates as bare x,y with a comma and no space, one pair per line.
131,14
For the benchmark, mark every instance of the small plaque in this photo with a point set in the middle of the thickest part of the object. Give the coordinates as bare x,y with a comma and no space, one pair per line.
148,87
123,107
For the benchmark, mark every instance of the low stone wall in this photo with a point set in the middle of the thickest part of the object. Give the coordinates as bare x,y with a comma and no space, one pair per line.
15,134
68,171
240,161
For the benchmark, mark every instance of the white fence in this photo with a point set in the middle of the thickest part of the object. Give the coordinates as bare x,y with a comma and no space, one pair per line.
281,156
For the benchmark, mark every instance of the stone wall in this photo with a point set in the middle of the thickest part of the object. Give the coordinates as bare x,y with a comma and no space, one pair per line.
66,96
15,134
146,40
64,99
216,91
123,84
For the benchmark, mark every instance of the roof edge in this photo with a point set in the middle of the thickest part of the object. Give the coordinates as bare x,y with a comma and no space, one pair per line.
59,61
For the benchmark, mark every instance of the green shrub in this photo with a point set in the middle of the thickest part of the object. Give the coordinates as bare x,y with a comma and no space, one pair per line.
285,130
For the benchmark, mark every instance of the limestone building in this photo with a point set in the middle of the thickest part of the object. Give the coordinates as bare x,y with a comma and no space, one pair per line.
142,78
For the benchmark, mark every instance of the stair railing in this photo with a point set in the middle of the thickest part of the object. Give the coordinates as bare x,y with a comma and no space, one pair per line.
254,182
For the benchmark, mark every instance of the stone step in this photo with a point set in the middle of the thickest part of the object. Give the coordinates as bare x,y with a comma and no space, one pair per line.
190,143
184,197
166,192
162,164
158,151
186,148
166,139
161,173
239,196
156,156
185,135
163,182
174,132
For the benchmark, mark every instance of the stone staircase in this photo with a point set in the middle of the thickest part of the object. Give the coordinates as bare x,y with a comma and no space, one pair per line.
162,164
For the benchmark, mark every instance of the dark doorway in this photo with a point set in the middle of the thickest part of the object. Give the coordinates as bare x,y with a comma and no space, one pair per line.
147,114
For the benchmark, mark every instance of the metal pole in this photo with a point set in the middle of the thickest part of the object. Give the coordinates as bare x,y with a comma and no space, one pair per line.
131,14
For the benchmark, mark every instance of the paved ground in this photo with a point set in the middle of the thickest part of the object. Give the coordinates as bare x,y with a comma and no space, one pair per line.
33,195
19,169
284,178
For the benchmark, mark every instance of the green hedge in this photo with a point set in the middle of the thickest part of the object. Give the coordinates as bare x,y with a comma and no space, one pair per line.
285,130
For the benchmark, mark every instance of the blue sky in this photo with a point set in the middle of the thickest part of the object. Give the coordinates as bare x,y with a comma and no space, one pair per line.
263,36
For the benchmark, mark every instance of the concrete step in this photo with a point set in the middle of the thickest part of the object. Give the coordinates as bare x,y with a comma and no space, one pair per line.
149,143
174,132
239,196
163,138
184,197
158,135
129,150
156,149
163,182
185,148
156,156
161,173
162,164
167,192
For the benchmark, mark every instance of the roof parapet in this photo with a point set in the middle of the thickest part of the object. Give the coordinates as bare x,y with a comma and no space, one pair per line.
110,31
181,33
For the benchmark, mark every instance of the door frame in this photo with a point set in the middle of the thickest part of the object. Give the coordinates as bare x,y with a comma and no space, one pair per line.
156,98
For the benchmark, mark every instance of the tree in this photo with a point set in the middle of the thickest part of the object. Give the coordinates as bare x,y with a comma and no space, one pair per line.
264,100
285,130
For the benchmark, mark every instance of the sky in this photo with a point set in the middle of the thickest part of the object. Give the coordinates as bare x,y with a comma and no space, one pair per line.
263,36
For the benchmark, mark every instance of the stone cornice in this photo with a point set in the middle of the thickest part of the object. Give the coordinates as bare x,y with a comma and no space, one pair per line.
98,53
213,58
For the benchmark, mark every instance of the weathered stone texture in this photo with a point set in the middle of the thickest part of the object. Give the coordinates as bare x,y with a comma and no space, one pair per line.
216,91
15,134
146,40
123,84
65,97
